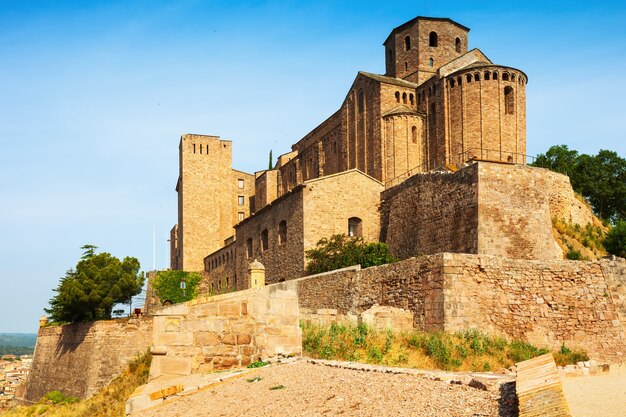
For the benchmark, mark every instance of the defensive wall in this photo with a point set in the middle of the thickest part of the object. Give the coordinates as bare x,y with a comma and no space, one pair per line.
550,303
485,208
225,331
78,359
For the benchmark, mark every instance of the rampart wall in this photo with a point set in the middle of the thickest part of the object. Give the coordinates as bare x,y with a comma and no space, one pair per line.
579,304
485,208
78,359
225,331
432,213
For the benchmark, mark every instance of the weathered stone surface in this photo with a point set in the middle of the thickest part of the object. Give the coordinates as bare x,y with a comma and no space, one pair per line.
78,359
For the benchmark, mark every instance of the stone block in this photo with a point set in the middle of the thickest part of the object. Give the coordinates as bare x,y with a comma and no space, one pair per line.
173,338
229,309
229,339
169,365
243,339
206,338
225,362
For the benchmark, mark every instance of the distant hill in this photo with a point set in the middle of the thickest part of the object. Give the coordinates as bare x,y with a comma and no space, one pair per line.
17,343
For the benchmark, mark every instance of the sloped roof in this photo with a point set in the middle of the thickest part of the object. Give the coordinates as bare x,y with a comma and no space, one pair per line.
401,109
389,80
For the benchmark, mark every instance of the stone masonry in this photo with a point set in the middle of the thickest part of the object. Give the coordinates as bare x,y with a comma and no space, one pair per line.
78,359
231,330
438,105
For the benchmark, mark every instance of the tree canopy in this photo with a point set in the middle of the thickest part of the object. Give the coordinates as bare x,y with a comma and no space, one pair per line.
98,282
600,178
340,251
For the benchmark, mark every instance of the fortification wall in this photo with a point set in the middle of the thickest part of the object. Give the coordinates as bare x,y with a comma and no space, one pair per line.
225,331
514,212
78,359
432,213
546,302
485,208
550,303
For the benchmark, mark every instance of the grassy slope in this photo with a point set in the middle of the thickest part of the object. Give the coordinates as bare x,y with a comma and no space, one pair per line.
108,402
467,351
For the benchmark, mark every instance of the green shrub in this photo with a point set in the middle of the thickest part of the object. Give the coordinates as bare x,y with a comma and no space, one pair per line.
574,255
167,285
522,351
615,241
258,364
57,397
341,251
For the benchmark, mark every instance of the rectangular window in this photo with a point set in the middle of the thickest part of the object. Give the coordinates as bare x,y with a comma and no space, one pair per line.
240,216
240,200
240,183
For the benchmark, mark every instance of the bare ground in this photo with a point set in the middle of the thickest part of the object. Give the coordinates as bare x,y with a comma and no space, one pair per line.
316,390
597,395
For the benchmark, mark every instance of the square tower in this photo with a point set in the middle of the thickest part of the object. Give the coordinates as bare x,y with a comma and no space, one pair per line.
205,199
415,50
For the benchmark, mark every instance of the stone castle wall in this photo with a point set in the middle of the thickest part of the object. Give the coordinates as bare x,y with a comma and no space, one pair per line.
579,304
514,212
78,359
432,213
225,331
486,208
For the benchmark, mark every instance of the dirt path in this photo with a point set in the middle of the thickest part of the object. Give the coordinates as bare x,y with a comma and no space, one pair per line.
316,390
598,395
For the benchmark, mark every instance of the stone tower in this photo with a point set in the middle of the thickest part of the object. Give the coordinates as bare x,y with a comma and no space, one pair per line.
415,50
212,197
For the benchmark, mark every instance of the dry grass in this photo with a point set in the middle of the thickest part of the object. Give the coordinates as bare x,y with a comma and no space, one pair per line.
578,242
471,350
108,402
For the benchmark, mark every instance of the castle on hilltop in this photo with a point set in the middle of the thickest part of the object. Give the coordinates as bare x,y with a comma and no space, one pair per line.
438,106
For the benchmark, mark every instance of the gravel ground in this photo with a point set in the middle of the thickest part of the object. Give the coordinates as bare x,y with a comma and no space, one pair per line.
597,395
316,390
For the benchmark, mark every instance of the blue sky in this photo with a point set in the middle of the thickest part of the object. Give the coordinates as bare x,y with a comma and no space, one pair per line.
94,96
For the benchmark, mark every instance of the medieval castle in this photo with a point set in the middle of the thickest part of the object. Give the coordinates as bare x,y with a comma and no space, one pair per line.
428,158
438,106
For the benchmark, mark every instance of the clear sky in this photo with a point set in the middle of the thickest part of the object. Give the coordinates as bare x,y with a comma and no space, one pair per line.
94,96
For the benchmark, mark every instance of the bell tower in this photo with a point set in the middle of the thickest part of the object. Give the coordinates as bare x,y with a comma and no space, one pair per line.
415,50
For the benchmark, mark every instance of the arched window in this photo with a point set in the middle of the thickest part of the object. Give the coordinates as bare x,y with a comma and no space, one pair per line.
469,78
509,100
431,62
406,66
477,77
414,134
249,248
512,77
264,241
407,43
398,96
389,56
487,76
411,99
452,83
495,75
505,76
361,101
282,232
458,81
457,45
404,98
432,39
355,227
